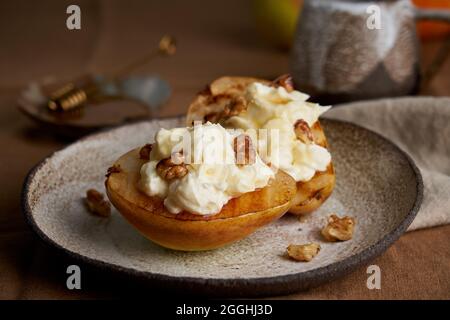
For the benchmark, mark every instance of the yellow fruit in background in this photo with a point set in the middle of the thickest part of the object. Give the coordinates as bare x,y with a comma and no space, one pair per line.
277,19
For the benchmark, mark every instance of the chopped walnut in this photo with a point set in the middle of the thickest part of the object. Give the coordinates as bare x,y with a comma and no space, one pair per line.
172,168
303,131
235,107
284,81
338,229
303,252
113,169
96,203
244,151
144,153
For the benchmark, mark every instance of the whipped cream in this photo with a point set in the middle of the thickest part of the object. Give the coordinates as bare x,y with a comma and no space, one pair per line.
213,176
275,108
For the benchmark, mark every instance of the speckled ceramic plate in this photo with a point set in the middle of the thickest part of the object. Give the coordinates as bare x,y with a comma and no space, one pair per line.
377,183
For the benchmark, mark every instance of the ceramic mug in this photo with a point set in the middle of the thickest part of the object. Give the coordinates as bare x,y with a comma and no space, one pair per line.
339,54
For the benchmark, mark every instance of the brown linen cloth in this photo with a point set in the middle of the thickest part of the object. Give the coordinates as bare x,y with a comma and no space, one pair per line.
421,127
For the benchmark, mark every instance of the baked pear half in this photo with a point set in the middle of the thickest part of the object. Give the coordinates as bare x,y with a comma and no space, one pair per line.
222,99
192,232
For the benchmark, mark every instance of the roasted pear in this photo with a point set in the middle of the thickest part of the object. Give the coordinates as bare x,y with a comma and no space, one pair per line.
213,104
191,232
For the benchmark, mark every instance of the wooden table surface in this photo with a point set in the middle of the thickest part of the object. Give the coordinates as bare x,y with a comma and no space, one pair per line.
215,38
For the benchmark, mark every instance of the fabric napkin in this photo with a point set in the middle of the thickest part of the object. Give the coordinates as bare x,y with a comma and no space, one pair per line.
421,127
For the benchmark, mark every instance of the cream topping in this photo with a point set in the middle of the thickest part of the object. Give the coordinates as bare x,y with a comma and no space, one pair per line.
277,110
213,176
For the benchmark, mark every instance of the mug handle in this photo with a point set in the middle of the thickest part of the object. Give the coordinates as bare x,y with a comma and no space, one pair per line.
441,15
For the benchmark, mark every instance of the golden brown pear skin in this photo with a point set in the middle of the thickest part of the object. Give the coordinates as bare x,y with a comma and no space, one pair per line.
192,232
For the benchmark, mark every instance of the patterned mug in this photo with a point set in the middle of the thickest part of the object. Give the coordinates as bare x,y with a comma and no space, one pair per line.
350,50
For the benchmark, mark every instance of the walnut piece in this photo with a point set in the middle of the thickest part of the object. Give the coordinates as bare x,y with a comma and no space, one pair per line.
338,229
303,131
113,169
243,149
284,81
96,203
144,153
303,252
172,168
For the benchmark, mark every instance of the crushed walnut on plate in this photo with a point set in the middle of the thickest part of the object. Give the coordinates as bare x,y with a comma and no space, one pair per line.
338,229
96,203
303,252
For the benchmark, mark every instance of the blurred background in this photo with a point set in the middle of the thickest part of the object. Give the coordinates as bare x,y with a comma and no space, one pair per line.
215,38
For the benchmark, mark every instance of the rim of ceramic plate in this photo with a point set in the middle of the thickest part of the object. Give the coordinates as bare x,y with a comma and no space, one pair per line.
280,284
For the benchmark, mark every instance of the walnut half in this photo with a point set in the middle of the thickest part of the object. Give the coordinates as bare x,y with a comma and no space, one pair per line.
338,229
303,252
284,81
96,203
169,170
243,149
303,131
